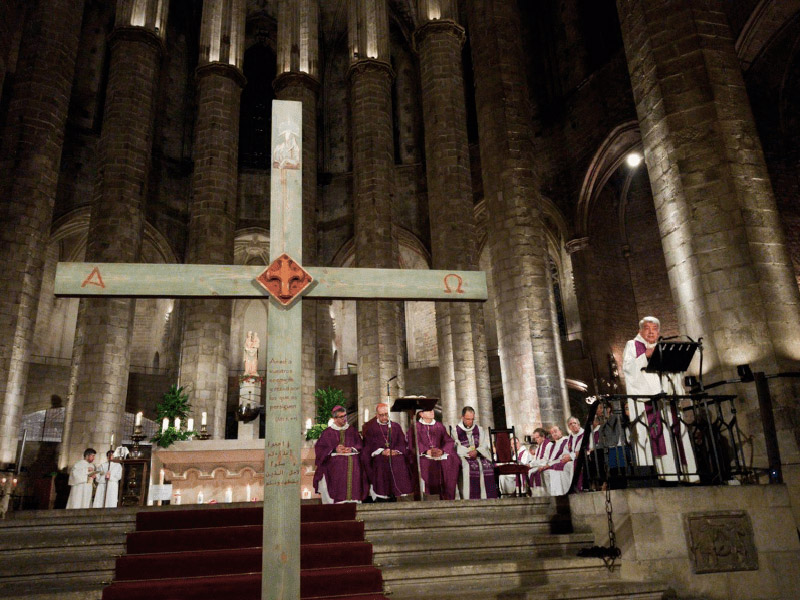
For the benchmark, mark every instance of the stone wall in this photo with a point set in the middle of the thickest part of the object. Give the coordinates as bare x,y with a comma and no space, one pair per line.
652,532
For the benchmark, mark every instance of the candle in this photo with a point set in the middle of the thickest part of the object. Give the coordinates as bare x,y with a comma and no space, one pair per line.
308,424
177,422
190,424
306,493
138,419
199,497
178,497
248,493
161,477
15,482
366,415
3,481
164,424
112,440
229,495
203,418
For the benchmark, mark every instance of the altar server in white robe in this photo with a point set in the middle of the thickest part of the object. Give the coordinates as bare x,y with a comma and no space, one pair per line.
557,481
508,483
81,478
659,418
108,477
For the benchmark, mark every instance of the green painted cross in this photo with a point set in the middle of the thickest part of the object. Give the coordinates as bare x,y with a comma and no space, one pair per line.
286,281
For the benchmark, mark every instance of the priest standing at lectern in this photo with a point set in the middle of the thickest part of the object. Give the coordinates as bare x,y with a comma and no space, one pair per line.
339,477
655,418
81,477
385,457
472,445
438,460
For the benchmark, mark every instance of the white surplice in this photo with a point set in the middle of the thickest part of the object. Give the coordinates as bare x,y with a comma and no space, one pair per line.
484,450
508,483
80,493
110,497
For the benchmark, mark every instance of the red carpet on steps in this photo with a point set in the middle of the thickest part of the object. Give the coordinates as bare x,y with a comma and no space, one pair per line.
215,554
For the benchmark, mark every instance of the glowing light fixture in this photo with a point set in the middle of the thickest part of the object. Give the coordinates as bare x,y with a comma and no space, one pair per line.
634,159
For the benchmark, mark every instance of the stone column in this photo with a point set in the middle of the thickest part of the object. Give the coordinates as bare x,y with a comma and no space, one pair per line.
117,223
370,80
32,147
212,221
729,270
533,388
463,364
297,79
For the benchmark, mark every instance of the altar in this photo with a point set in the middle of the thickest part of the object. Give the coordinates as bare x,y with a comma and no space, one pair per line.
219,471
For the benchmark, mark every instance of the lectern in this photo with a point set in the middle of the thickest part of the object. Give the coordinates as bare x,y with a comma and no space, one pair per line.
411,405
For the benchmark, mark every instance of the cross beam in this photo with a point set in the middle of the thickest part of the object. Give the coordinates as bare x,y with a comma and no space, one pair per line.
285,281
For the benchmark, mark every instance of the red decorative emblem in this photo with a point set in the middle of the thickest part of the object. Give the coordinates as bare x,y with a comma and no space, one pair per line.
285,279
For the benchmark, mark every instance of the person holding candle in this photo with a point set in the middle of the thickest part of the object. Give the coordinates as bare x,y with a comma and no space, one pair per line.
81,477
109,475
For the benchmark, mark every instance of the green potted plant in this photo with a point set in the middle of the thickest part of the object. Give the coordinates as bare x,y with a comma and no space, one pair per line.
175,403
326,400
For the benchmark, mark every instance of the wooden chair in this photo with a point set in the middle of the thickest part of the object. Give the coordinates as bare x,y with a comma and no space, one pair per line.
505,460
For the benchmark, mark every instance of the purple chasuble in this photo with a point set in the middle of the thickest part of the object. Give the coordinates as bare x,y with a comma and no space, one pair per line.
440,476
561,447
388,475
343,474
541,452
475,465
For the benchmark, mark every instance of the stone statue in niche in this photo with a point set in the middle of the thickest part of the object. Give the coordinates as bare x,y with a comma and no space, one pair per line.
251,345
721,542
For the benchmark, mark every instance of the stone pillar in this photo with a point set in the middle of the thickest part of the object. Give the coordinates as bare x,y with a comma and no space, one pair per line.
212,221
37,116
533,388
370,80
117,223
463,364
297,79
729,270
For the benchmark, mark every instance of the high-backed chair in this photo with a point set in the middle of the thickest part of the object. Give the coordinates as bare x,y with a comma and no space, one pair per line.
505,460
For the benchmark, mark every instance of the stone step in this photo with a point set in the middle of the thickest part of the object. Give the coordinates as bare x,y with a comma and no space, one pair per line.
65,536
58,560
514,545
57,586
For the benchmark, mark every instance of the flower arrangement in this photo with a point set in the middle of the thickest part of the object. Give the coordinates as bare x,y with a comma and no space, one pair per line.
251,379
174,404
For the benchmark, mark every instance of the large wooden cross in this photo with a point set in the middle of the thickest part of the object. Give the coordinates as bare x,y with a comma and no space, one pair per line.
285,281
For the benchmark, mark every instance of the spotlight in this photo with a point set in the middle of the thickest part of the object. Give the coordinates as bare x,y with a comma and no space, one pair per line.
634,159
745,373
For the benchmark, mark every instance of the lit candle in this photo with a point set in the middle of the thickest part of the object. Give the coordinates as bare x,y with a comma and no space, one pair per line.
138,419
161,477
15,482
199,497
177,422
204,418
178,497
3,481
308,424
190,424
229,495
164,424
306,493
366,415
248,493
112,440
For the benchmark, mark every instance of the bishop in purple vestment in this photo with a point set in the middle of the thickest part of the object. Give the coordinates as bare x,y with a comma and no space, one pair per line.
477,471
339,477
438,461
385,456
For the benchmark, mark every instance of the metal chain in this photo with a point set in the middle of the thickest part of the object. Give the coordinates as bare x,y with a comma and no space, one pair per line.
612,536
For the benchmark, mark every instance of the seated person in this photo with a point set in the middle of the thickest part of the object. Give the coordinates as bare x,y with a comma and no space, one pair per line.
339,477
472,444
385,457
557,480
539,462
439,463
508,483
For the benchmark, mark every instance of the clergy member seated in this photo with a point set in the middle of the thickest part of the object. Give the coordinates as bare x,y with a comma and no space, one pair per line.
477,472
438,461
385,457
574,441
558,481
81,477
109,474
339,477
538,463
656,431
508,483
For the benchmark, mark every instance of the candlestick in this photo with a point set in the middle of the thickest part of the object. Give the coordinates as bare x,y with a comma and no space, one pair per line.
164,424
203,418
138,419
190,424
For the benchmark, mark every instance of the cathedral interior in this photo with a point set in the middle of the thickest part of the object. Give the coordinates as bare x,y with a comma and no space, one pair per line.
599,160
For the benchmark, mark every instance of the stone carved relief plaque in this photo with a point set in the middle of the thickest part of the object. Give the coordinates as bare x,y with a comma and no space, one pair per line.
721,542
